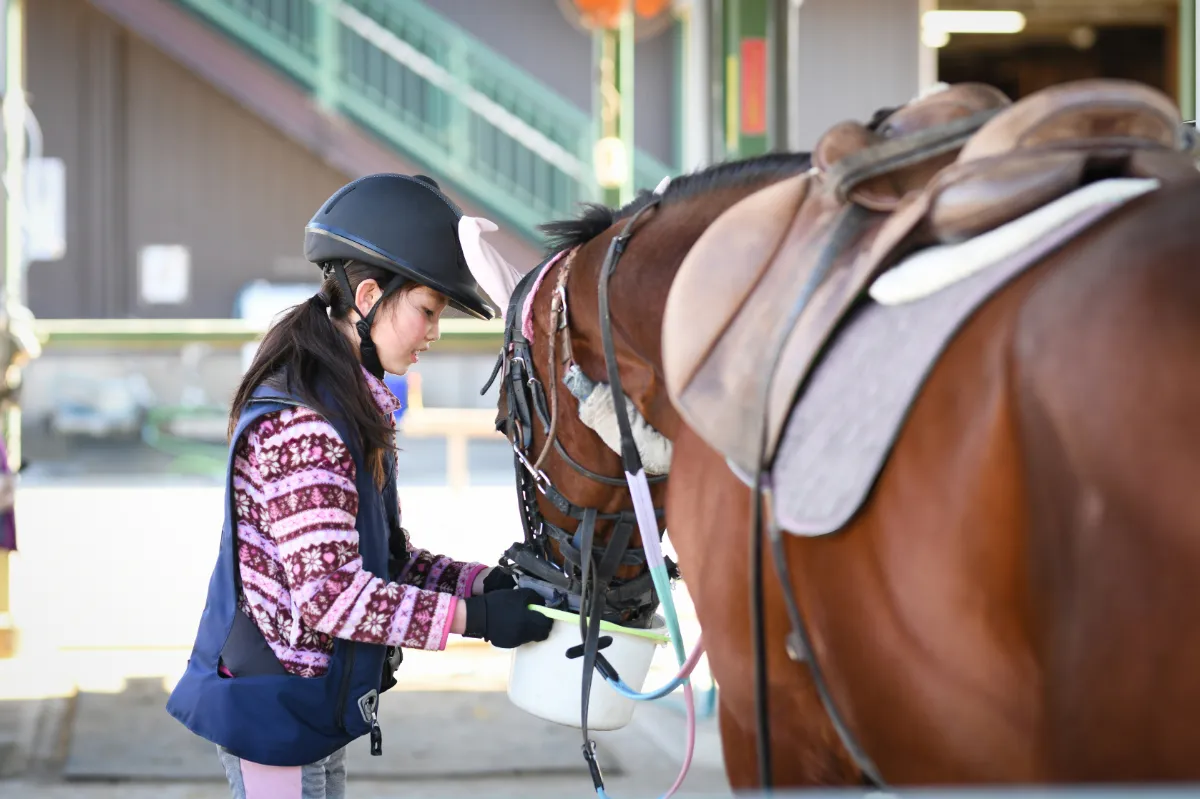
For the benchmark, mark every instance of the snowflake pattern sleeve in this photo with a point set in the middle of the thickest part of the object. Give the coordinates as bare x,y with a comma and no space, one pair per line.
301,570
439,573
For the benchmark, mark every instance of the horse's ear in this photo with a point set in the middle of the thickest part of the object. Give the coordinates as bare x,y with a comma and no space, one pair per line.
496,276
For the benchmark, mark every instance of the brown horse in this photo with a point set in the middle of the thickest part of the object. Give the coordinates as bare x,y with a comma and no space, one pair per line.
1012,604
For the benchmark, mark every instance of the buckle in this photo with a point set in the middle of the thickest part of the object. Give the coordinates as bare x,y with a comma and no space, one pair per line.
539,477
368,706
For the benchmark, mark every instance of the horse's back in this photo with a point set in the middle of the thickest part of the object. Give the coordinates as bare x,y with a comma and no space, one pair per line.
739,342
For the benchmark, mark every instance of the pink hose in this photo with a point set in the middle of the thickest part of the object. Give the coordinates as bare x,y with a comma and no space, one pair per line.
689,701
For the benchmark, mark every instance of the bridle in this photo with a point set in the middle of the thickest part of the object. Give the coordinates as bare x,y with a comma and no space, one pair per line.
629,602
589,586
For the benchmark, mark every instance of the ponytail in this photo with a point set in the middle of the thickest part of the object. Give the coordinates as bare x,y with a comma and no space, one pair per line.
307,349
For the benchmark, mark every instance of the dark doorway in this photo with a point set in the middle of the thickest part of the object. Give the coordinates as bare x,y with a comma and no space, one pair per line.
1020,66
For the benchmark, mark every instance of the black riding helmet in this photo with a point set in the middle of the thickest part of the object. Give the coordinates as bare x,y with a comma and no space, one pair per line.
401,223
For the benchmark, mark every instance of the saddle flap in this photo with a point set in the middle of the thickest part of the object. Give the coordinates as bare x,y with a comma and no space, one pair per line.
842,143
881,193
1170,167
1038,150
845,139
975,197
717,372
1086,114
720,273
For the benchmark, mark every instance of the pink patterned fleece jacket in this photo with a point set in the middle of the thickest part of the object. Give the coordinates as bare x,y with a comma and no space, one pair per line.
302,577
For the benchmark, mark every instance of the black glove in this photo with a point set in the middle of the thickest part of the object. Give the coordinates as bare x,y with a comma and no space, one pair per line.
498,579
502,618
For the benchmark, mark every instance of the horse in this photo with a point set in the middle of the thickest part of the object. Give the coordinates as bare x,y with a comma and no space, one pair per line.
1009,604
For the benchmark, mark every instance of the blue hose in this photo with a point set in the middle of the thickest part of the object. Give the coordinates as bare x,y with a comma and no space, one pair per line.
624,690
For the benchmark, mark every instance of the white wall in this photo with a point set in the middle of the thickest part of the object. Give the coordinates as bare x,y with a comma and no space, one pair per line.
851,58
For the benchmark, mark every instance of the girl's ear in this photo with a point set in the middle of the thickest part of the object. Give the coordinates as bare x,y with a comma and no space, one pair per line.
366,295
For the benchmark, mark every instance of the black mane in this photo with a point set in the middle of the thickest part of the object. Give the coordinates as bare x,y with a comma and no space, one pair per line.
595,219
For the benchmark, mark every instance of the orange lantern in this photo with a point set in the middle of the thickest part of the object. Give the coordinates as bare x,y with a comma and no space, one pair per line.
607,13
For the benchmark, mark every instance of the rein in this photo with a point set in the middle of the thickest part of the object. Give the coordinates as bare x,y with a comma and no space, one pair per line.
647,516
629,602
600,596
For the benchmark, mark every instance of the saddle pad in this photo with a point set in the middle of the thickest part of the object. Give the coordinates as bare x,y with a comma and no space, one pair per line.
932,269
846,420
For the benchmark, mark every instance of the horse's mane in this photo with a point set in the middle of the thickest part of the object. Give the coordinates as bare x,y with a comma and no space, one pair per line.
595,219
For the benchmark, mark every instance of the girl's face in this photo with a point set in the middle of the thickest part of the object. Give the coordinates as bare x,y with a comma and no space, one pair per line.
404,327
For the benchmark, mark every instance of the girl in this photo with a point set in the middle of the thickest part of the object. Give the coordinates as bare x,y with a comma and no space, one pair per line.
316,587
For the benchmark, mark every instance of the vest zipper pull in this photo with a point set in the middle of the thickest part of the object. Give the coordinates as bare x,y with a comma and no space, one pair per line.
369,707
376,740
376,736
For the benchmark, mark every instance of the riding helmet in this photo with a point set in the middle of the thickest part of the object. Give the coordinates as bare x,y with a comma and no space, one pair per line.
402,223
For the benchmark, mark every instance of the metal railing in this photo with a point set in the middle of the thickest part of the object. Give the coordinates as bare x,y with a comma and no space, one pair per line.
192,435
435,93
458,335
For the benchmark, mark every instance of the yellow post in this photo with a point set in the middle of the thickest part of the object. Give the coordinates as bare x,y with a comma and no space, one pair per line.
625,51
1188,64
8,630
14,254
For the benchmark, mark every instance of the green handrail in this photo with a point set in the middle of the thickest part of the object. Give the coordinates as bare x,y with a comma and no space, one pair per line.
436,94
457,334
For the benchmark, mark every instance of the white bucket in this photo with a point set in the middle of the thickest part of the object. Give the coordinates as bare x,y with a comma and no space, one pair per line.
542,681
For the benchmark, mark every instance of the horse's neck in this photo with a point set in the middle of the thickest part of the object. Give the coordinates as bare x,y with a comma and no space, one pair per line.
642,282
688,223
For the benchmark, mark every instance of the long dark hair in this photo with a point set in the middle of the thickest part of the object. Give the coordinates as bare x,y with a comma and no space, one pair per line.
306,349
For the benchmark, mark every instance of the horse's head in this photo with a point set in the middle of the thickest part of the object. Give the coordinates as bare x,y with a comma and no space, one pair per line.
556,399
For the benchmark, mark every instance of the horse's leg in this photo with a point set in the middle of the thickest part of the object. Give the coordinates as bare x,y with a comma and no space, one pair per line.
708,516
1110,396
737,746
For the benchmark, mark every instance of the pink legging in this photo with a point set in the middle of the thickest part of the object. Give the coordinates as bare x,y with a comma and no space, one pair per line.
325,779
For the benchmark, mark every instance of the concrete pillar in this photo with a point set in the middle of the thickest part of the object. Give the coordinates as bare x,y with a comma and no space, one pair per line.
14,252
695,83
852,57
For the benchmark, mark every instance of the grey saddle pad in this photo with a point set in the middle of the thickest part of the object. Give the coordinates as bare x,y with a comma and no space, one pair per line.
845,422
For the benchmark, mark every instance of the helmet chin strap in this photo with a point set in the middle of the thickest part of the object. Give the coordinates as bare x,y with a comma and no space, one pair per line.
366,347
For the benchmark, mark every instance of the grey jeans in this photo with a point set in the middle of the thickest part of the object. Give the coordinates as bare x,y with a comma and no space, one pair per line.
325,779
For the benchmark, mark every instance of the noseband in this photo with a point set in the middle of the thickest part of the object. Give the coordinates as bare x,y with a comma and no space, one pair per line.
628,602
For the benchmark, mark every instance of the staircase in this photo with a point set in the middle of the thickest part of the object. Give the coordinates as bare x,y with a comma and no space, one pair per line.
435,93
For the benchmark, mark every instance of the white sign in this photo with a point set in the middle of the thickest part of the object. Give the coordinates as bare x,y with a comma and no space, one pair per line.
163,271
46,209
